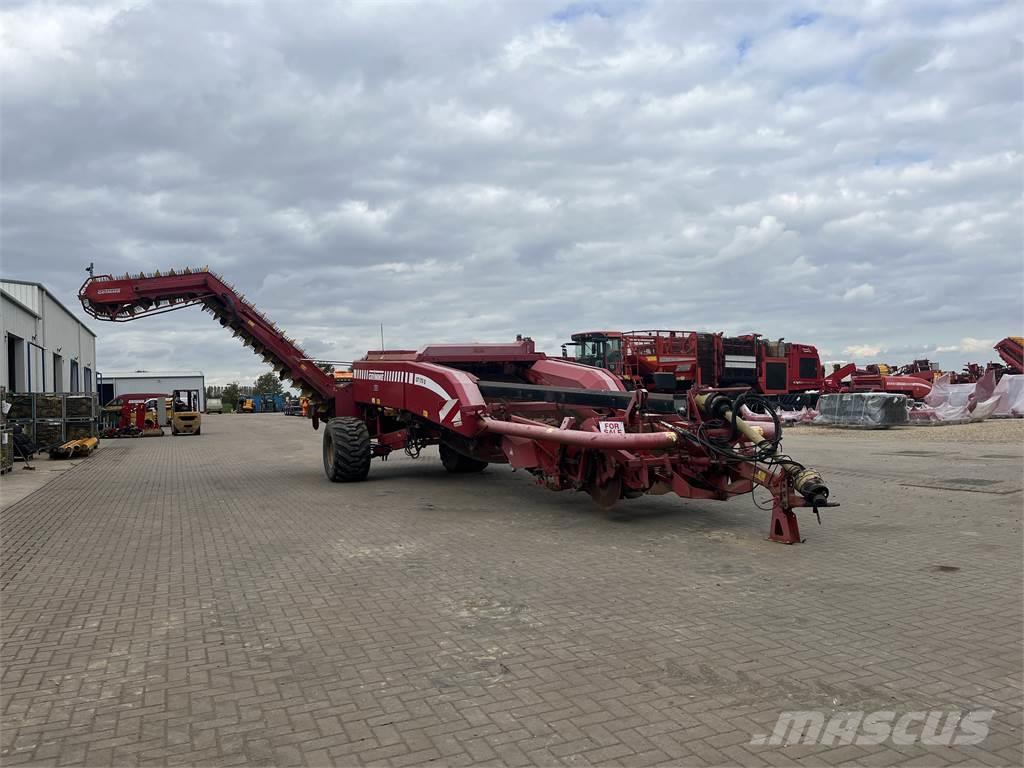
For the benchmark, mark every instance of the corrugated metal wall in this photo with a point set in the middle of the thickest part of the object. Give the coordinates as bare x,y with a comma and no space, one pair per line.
29,295
51,331
65,336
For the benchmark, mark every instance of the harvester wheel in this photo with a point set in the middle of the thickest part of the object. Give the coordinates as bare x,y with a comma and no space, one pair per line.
455,462
346,450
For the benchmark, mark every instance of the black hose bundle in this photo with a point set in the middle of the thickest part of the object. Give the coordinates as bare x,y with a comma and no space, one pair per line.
764,452
806,481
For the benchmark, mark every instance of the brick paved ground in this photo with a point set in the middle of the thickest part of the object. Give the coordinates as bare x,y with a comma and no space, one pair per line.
215,601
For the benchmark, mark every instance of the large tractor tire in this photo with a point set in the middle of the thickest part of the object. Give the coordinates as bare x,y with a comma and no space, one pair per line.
455,462
346,450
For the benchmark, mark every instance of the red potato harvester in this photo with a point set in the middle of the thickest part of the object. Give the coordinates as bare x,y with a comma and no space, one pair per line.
572,426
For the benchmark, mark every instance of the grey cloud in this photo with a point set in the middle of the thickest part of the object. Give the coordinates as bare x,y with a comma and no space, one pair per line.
465,171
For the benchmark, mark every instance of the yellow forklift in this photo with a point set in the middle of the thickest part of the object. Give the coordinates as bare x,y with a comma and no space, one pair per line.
186,417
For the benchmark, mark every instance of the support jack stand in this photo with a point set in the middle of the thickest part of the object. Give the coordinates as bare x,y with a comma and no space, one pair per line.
785,528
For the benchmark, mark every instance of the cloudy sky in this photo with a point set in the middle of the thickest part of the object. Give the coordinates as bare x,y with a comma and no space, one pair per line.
845,174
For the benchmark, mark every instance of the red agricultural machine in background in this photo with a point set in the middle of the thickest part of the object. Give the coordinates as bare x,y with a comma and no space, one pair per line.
1011,349
915,378
570,425
129,415
677,361
787,373
914,381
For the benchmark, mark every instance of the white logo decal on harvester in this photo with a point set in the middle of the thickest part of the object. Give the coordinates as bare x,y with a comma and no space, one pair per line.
416,380
428,383
447,408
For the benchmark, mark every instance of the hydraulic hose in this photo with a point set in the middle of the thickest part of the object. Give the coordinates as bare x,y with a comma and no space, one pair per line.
717,405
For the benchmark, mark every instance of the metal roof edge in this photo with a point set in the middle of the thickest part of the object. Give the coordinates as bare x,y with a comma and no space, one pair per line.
56,301
19,303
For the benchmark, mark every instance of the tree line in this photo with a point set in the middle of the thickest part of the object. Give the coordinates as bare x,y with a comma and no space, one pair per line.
267,384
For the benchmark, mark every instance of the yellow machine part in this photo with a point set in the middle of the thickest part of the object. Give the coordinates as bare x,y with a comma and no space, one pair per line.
81,447
85,446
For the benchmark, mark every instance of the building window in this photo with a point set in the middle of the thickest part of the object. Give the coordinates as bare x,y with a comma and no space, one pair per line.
88,379
74,376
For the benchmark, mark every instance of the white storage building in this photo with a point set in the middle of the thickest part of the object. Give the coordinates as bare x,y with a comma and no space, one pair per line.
113,384
46,348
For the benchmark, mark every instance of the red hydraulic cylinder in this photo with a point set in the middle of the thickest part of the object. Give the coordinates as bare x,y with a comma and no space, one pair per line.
616,440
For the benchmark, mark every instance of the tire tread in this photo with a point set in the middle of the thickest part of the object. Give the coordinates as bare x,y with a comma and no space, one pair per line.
350,440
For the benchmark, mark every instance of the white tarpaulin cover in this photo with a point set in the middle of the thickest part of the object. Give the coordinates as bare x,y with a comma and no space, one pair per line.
804,415
944,393
1010,396
958,402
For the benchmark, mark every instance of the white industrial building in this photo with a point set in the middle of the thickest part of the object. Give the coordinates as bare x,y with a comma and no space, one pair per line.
151,382
46,348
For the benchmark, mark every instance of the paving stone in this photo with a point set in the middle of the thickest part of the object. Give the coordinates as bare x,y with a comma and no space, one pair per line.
215,600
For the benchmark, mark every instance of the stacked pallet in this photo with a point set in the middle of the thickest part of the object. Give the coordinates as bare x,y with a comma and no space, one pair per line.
48,432
52,418
23,407
79,407
49,406
81,417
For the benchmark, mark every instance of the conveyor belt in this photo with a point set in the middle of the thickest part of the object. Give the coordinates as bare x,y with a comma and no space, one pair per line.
591,398
127,298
